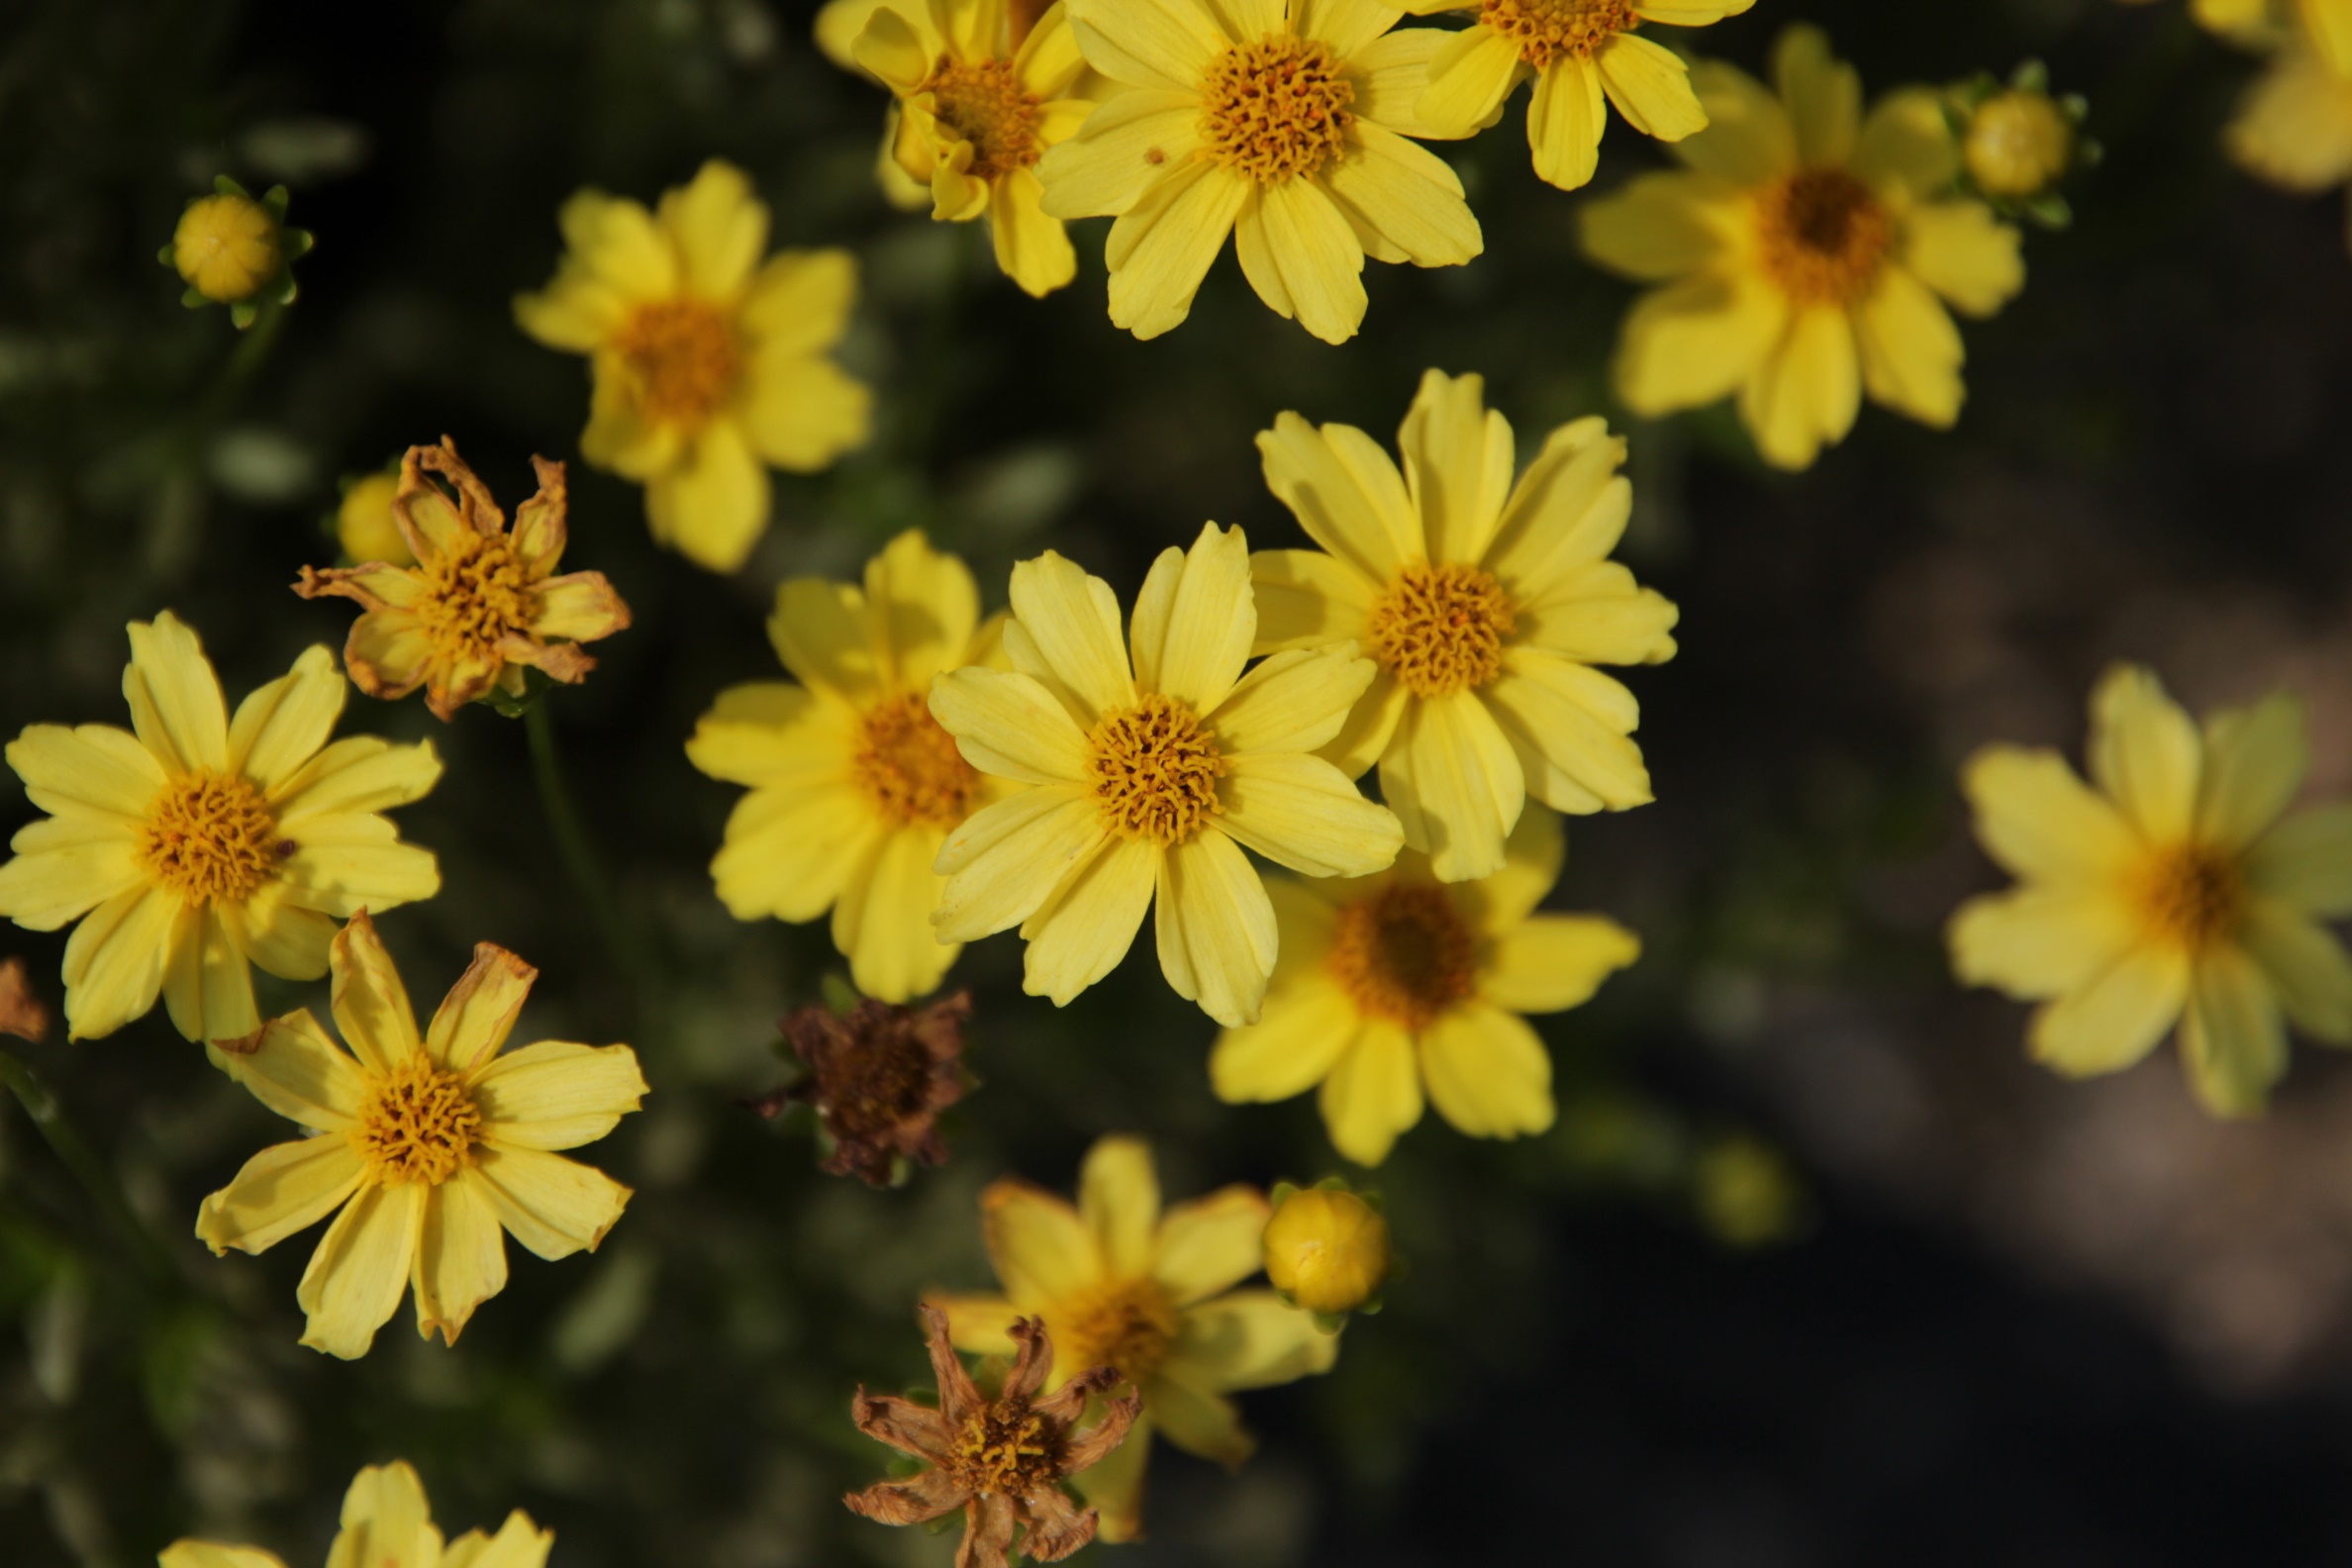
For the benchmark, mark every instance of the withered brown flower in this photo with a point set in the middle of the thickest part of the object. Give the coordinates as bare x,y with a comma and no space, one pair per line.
21,1012
480,603
878,1078
1001,1460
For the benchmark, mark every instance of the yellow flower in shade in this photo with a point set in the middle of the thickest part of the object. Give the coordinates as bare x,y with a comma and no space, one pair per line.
1326,1249
1280,124
198,844
226,246
1150,778
855,785
1807,255
481,605
1485,604
1123,1284
2167,891
1394,985
2018,145
976,111
364,527
2294,128
2325,25
387,1523
708,363
1580,53
430,1145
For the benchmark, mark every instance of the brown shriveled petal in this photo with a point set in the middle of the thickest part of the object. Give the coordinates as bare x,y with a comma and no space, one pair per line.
1056,1525
566,663
878,1078
1032,1358
1084,1450
542,525
474,505
21,1012
958,1395
904,1425
988,1533
917,1500
1067,1403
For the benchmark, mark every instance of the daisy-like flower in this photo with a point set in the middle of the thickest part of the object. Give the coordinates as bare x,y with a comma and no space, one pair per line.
855,785
1485,604
387,1523
1580,53
481,605
1394,985
2169,890
977,108
198,846
430,1145
708,363
1808,254
2294,128
1124,1284
1280,124
1150,778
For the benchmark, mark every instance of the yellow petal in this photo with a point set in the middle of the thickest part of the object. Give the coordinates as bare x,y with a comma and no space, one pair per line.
2255,760
287,1186
582,606
2116,1019
1403,202
302,1075
1305,1030
1031,249
362,774
1005,860
1008,725
1303,813
1651,86
1749,139
1907,143
1302,257
1556,962
2231,1037
1048,61
1043,1251
1198,1420
1595,615
1292,702
1160,248
175,699
788,853
519,1543
2145,754
92,769
1911,351
338,876
882,922
714,507
719,227
554,1206
2305,967
1216,934
1458,459
1209,1244
1373,1094
801,412
2294,127
1531,860
278,934
800,302
1345,493
1694,341
1391,74
1824,96
355,1277
1659,227
65,867
114,961
772,732
888,49
473,1019
556,1095
1246,1340
981,1325
1569,727
1119,1199
1109,164
1455,784
1306,599
461,1258
2038,819
386,1523
2305,862
616,240
1565,118
1114,1485
1959,250
371,1005
1470,74
1165,44
1195,620
1807,391
1371,725
1488,1074
282,725
1088,921
215,1554
1071,619
824,633
2041,941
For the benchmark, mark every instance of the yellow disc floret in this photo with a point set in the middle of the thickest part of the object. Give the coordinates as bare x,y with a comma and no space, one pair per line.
208,838
420,1124
226,246
985,103
1546,30
1155,771
2192,896
1403,954
909,766
684,357
1440,630
1326,1249
1278,107
476,592
1820,235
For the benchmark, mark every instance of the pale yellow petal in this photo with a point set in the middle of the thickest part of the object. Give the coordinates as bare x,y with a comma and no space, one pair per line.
1470,74
2033,942
386,1521
882,922
1216,928
1532,859
1209,1244
1651,87
65,867
800,413
1345,492
471,1025
114,961
1120,152
1455,783
1907,142
788,853
2232,1040
1566,115
1488,1073
714,507
1824,95
2255,760
283,723
1402,201
616,240
556,1094
461,1259
1911,351
980,1324
1551,962
301,1074
1299,1038
1071,619
1698,340
1373,1094
371,1005
356,1278
519,1543
1031,249
1119,1199
2038,819
1371,725
1292,702
1960,250
1199,1421
92,769
1089,921
215,1554
2118,1018
1246,1340
2305,862
1304,813
1195,620
1302,258
1749,139
280,936
2307,968
1570,727
1160,248
800,302
1164,44
175,699
1043,1251
2294,127
1008,725
363,774
554,1206
1661,225
338,870
1807,389
772,732
287,1186
1306,599
2146,755
1005,860
1457,459
1595,615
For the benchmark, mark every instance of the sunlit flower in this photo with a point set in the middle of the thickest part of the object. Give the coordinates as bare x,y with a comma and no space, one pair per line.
1579,52
1150,778
708,363
387,1523
1484,602
878,1077
855,787
1808,254
1394,985
199,845
232,250
364,527
430,1145
2167,891
1123,1284
1285,128
1326,1249
481,605
2294,128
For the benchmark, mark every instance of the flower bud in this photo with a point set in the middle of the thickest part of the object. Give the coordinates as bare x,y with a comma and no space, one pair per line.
363,524
2018,145
1326,1249
226,246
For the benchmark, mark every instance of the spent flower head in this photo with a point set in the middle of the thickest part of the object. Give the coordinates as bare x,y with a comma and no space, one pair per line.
235,251
878,1078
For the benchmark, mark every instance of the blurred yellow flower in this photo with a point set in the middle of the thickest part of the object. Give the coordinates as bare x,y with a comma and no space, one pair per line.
430,1145
1580,53
855,785
1803,254
2294,128
978,106
200,844
1121,1283
226,246
1325,1248
2169,890
2325,25
1390,985
1284,127
707,362
481,605
1485,603
1151,778
387,1523
2017,144
363,524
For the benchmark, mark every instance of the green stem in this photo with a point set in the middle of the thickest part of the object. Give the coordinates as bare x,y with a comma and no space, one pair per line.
48,1111
579,855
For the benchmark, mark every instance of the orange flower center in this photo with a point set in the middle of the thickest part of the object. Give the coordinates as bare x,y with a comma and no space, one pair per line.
909,766
1004,1450
1277,108
1546,30
986,105
210,837
1440,630
420,1124
476,592
1155,771
1403,954
1127,1325
684,357
1821,235
2192,896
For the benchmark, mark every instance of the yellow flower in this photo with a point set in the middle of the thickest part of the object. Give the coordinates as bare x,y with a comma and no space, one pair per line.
1284,127
2017,144
1485,605
1151,778
1804,255
481,605
977,109
364,527
387,1523
2168,892
1400,983
431,1145
2294,128
199,845
2325,25
226,246
1325,1248
855,785
1122,1284
707,362
1579,51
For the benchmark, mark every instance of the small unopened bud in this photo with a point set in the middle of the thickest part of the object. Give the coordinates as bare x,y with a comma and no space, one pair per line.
363,524
226,246
2018,145
1326,1249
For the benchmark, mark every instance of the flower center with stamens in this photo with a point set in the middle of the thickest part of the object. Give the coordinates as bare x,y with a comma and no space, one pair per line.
419,1125
684,357
1277,108
1404,954
1545,30
210,837
986,105
1155,771
1002,1449
1127,1325
475,593
1820,235
909,766
1440,630
2192,896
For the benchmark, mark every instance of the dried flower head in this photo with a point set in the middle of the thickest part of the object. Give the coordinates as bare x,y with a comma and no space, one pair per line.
878,1078
1001,1460
21,1012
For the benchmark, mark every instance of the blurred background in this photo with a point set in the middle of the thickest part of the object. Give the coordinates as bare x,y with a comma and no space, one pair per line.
1814,1268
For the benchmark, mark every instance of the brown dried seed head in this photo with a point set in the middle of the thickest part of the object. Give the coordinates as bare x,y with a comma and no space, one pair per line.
878,1078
